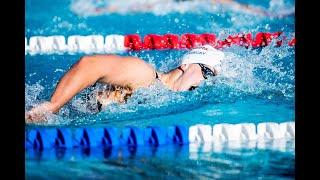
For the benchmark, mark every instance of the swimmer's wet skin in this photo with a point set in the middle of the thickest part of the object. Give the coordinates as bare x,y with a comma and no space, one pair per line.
127,74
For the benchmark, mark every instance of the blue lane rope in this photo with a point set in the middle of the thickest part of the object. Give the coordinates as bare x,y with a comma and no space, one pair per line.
103,137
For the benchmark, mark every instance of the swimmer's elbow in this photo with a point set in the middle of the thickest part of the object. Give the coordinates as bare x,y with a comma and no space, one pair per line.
92,62
85,60
89,58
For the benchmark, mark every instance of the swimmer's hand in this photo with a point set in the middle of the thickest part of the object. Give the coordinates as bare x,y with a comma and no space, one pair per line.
39,113
119,95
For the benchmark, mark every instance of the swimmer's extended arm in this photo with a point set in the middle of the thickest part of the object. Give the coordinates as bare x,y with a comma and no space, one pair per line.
87,71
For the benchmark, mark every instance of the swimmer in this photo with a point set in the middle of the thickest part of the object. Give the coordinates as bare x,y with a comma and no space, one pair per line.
254,10
126,75
147,6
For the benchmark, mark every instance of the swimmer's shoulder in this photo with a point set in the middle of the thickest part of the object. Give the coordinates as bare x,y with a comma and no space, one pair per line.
122,60
113,57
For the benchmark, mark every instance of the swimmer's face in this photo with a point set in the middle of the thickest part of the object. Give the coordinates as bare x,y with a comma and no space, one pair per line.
191,77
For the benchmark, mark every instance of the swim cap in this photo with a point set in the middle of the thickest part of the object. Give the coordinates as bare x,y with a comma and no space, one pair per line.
206,54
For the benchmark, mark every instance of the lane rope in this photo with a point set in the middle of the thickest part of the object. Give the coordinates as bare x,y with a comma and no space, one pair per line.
40,139
58,44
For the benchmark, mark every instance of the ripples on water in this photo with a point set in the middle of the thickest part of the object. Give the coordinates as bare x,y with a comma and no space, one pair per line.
262,74
265,74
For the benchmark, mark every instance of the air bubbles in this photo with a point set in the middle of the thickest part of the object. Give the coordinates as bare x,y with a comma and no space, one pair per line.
82,26
32,74
31,94
56,19
65,25
267,27
58,70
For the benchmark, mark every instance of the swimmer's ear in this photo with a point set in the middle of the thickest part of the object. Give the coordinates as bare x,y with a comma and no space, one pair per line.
184,66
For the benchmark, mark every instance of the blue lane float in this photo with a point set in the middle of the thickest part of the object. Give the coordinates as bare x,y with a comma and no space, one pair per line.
131,137
64,138
156,135
42,138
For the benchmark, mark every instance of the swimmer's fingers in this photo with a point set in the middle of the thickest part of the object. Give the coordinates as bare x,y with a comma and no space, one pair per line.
38,113
31,117
28,118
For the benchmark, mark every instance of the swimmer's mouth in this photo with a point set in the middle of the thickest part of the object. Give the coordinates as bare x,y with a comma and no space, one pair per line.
193,88
99,106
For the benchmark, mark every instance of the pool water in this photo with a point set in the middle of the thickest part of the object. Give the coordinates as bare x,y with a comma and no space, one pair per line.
255,86
182,162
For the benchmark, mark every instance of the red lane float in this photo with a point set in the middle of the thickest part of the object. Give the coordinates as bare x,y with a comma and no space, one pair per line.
154,41
239,39
292,42
189,41
264,39
172,41
133,42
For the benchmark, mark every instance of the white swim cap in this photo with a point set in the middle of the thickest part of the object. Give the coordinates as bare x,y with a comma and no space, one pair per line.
206,54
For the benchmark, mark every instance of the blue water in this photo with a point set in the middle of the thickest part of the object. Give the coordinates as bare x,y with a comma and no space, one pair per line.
255,86
165,162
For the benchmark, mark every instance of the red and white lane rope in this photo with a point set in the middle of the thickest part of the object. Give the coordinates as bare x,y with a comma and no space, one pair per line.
120,43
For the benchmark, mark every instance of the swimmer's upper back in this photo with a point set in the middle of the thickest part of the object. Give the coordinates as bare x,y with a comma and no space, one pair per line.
126,71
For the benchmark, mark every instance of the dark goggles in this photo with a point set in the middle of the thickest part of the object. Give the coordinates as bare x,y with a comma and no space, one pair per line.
206,72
